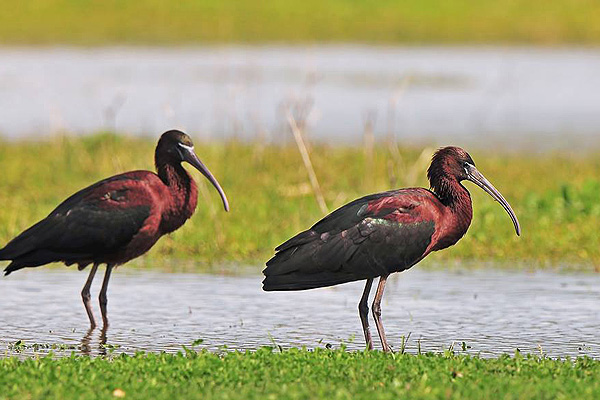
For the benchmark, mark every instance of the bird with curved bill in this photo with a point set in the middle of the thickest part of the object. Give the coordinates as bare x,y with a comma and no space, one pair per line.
117,219
383,233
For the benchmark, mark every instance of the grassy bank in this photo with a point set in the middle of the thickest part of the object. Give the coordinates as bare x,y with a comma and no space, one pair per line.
155,22
299,374
555,196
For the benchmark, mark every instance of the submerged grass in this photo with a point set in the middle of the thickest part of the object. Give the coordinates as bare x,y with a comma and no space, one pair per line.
299,374
556,197
209,21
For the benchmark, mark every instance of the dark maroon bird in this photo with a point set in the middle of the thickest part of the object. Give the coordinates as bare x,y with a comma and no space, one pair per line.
383,233
115,220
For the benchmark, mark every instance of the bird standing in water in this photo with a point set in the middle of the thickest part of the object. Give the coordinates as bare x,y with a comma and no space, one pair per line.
115,220
377,235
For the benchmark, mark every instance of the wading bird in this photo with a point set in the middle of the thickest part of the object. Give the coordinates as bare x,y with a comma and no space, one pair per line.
383,233
115,220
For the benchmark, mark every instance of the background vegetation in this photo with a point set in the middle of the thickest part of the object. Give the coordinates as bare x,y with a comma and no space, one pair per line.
99,22
554,195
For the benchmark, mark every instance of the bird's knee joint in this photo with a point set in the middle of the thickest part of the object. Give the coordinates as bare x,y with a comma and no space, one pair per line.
376,311
85,296
103,300
363,308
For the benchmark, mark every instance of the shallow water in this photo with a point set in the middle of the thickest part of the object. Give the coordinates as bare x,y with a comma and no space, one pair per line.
493,312
518,95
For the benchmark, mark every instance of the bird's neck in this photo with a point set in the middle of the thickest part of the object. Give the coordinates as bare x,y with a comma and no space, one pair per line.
173,175
459,208
184,195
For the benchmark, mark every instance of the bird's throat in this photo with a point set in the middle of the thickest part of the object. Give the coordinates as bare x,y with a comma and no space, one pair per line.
183,196
459,212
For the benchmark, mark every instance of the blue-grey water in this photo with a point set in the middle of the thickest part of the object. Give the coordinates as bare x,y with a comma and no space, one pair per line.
548,97
493,312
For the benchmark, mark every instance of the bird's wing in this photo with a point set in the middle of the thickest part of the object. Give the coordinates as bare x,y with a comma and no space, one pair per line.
369,237
97,220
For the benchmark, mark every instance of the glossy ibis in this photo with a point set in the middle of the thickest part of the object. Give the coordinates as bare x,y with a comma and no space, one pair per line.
115,220
383,233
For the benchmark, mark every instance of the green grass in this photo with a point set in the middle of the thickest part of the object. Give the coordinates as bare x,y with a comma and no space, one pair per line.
299,374
152,22
556,197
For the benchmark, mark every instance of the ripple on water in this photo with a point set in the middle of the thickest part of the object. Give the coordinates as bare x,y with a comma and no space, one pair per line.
493,312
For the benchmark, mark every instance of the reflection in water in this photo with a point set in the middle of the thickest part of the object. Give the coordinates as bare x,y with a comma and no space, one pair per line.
492,312
86,342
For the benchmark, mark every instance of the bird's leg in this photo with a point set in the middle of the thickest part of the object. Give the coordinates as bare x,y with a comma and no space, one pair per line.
103,299
363,312
85,295
376,308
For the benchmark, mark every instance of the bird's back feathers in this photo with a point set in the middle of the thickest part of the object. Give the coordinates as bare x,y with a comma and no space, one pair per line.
95,221
369,237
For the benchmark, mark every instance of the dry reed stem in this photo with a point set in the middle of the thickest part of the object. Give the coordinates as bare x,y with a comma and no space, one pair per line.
369,144
314,182
391,118
419,166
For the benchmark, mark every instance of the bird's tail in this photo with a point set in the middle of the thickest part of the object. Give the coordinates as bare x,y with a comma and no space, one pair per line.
14,265
21,260
4,256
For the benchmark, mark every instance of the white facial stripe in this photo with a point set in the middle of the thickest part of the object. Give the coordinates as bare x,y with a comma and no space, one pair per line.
188,148
468,165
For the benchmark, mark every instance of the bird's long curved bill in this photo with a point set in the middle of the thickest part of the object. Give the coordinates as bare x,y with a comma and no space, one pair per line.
477,178
193,159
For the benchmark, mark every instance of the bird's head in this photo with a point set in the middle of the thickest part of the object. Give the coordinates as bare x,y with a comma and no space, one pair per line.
453,163
175,147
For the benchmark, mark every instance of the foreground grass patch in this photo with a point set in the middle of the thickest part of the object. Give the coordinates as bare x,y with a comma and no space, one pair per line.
556,197
299,374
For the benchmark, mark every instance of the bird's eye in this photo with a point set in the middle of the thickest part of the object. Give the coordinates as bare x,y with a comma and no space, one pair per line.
466,167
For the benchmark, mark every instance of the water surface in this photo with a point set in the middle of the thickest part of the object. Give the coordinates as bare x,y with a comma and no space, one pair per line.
548,97
493,312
